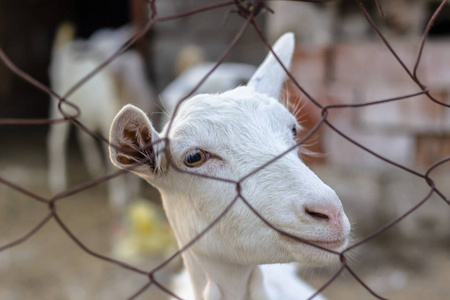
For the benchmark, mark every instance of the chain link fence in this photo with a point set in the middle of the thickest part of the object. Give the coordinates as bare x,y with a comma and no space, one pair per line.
248,10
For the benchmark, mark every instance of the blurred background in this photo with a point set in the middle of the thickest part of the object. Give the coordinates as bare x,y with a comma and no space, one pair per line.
338,60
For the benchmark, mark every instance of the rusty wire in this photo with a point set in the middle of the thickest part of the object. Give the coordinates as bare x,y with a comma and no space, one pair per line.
248,9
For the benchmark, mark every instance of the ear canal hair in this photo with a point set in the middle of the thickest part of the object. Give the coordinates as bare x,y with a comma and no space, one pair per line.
131,137
268,78
137,147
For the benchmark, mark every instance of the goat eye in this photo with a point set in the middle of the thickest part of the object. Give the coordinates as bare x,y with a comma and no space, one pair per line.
294,132
195,158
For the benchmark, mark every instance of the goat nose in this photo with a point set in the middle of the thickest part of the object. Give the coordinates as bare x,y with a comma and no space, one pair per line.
323,213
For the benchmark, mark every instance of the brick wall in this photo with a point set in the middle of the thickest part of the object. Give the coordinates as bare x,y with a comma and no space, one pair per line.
366,72
414,133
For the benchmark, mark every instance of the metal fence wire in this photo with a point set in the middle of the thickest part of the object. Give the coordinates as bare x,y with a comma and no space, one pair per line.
248,10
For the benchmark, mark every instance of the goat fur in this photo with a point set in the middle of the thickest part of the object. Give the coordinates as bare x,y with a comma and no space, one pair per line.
232,134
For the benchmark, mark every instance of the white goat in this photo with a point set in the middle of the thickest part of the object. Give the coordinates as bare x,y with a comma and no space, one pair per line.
228,136
227,76
98,99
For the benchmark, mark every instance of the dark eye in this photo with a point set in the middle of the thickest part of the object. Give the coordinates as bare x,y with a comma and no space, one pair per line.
195,158
294,131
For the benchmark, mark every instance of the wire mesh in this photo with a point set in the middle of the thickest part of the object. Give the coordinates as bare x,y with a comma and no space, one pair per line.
248,10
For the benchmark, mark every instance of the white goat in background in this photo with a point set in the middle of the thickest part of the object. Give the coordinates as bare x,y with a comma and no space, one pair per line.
226,77
98,99
228,136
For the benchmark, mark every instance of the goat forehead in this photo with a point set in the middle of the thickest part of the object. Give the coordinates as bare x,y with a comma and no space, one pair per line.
241,109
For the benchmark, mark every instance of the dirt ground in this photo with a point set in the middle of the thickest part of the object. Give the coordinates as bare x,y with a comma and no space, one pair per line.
49,265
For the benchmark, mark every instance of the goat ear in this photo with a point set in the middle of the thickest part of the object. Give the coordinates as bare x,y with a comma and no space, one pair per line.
131,138
268,78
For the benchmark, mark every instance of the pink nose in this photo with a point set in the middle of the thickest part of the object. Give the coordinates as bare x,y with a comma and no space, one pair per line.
328,213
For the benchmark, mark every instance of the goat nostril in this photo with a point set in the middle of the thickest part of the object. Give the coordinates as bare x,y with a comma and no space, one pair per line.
316,215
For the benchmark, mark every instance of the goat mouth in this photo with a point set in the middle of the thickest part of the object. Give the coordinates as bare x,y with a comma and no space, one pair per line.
329,244
333,244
